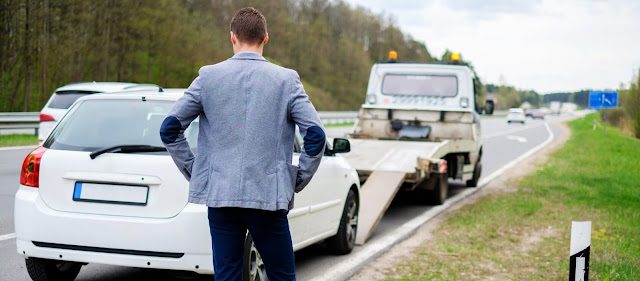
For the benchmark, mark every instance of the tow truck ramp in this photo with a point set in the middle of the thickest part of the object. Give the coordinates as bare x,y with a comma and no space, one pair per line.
385,165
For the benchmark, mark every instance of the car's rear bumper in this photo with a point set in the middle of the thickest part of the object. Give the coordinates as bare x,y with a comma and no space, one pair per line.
178,243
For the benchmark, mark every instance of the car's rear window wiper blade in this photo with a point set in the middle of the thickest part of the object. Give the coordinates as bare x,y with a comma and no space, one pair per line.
127,148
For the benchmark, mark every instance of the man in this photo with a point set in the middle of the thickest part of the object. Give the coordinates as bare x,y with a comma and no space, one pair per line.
248,110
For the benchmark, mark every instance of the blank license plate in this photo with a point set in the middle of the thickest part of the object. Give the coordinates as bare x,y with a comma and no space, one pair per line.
110,193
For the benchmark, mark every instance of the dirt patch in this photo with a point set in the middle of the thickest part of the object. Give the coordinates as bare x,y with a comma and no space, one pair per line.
386,265
530,240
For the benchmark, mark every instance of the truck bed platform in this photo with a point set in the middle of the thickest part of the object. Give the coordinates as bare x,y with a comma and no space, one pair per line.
386,164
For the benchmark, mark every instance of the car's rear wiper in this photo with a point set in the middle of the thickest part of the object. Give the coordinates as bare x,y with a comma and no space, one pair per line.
127,148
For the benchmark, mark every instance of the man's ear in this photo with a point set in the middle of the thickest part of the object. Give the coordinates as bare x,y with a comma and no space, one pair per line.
233,38
266,39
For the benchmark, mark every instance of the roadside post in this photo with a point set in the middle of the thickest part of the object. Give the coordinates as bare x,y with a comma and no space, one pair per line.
579,250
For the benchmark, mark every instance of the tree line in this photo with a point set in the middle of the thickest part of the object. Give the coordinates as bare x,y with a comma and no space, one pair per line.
507,96
45,44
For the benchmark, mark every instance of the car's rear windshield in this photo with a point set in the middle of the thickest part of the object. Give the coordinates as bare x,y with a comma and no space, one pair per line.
64,99
420,85
94,124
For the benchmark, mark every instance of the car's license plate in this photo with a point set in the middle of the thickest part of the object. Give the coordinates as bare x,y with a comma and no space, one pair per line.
110,193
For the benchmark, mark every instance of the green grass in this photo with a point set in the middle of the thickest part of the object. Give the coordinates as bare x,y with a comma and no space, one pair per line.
525,235
18,140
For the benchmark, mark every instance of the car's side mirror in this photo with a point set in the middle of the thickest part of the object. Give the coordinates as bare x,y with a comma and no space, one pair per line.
341,145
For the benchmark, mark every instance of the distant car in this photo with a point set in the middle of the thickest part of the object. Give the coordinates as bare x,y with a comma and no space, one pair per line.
102,189
536,114
516,115
64,97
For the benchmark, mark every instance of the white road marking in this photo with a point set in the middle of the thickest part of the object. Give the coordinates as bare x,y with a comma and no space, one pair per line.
517,138
7,236
377,247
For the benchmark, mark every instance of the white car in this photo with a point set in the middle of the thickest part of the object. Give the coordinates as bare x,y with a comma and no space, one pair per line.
516,115
64,97
102,189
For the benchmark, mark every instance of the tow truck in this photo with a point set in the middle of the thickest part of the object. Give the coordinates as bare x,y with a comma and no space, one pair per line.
418,128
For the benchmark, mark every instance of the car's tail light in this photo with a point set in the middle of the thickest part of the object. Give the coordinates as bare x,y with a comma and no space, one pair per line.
46,117
30,172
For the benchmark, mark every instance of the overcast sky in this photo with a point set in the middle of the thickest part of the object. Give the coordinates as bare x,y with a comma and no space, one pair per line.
544,45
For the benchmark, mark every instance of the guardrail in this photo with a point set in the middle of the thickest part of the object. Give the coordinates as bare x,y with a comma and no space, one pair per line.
30,120
338,117
20,121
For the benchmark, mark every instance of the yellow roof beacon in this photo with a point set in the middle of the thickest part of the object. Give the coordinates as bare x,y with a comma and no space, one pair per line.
392,57
455,58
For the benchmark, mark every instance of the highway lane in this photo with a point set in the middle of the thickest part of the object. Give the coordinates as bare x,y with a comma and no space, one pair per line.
502,143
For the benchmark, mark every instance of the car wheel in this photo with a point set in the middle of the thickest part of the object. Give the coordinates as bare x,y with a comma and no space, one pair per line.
344,241
52,270
253,268
473,182
440,191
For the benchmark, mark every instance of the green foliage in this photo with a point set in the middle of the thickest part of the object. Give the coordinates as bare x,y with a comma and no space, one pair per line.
630,102
45,44
627,116
508,96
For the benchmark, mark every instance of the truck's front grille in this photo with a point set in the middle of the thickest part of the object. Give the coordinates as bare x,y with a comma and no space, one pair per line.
108,250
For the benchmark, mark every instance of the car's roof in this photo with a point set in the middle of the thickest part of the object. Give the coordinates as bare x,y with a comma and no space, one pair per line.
104,87
404,65
172,94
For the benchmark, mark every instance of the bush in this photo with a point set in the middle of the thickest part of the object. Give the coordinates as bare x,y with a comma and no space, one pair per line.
615,117
630,105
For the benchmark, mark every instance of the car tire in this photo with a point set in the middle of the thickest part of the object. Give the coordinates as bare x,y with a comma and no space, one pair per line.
253,268
477,171
52,270
343,242
440,191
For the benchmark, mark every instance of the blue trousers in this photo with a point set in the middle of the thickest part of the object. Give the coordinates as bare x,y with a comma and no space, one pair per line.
271,236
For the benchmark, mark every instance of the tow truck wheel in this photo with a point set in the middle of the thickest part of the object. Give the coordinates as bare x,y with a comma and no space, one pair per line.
52,270
440,190
473,182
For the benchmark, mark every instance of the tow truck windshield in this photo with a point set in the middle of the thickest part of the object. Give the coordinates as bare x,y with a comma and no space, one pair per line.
420,85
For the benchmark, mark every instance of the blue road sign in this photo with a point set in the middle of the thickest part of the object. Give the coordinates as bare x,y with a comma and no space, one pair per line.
603,99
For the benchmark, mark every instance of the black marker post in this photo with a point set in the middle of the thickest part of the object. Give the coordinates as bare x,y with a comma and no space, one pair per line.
579,252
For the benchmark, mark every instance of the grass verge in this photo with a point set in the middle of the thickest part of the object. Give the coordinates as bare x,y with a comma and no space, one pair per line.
18,140
524,235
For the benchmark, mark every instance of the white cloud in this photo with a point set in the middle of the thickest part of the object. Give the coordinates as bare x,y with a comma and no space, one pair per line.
543,45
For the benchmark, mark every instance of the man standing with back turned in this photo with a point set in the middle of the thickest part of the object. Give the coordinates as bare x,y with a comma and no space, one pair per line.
242,171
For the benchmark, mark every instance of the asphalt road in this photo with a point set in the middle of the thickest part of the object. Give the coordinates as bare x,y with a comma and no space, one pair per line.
502,143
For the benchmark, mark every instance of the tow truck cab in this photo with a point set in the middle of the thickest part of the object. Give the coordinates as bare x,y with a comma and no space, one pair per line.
426,102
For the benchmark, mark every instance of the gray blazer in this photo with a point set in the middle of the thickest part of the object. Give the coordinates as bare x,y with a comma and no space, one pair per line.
248,109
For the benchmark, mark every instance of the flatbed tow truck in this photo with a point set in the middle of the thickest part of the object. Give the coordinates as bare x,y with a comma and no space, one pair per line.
418,128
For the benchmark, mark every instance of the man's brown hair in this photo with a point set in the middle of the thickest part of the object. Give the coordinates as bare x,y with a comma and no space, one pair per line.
249,25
